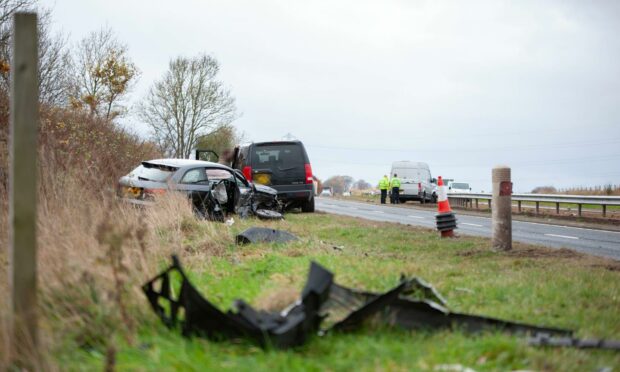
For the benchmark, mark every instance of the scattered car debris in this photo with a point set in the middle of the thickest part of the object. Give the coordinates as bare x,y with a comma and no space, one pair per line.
264,235
545,340
412,304
200,317
267,214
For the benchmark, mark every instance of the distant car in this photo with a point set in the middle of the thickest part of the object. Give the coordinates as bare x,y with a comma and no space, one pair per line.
416,181
282,165
326,192
459,188
214,189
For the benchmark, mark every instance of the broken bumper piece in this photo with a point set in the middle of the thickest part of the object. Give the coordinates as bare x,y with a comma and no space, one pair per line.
412,304
197,316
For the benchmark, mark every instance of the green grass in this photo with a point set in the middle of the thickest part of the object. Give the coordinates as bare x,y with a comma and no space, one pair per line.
534,285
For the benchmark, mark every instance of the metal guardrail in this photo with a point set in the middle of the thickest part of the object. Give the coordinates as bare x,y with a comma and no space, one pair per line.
469,199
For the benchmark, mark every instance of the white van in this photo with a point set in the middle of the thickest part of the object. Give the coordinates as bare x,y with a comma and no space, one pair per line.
416,181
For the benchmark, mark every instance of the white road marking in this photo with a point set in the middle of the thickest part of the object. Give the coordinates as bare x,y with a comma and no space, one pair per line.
378,211
562,236
470,224
571,227
412,216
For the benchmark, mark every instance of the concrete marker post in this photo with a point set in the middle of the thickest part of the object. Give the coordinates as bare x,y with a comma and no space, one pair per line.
23,190
501,212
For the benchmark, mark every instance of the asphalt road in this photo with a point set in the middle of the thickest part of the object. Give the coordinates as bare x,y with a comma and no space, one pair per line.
596,242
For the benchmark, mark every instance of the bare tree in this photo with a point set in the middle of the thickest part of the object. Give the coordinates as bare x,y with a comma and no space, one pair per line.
103,74
221,140
54,58
361,185
339,184
187,103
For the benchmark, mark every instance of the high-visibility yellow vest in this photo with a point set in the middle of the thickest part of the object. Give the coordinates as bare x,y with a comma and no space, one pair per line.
395,182
384,183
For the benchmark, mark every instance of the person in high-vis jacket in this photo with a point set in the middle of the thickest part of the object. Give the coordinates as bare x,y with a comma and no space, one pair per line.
384,184
395,185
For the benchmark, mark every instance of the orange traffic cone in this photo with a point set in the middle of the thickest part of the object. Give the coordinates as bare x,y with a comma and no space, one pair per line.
446,221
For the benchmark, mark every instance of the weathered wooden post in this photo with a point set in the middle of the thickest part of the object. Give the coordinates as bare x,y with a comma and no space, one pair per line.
23,188
501,212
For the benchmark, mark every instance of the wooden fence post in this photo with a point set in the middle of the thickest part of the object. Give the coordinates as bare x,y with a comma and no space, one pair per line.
23,189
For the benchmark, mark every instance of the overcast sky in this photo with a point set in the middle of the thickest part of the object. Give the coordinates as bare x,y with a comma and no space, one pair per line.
461,85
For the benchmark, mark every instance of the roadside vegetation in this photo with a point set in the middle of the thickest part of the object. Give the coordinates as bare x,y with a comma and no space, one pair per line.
100,317
608,190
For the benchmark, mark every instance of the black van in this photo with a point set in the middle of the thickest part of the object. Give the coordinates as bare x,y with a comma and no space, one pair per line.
282,165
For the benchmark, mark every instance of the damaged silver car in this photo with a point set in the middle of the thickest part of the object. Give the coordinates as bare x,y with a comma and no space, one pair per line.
215,190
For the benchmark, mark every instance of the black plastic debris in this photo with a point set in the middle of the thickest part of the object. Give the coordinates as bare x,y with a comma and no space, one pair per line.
264,235
267,214
546,340
197,316
412,304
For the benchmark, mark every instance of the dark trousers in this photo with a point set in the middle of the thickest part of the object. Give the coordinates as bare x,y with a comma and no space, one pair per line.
395,196
383,196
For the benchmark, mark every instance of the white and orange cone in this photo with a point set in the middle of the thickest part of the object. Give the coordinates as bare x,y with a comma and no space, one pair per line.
446,220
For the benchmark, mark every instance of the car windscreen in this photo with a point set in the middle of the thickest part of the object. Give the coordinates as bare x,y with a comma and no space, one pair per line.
463,186
281,157
153,172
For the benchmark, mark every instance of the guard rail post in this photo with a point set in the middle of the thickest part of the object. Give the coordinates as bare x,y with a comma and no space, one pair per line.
501,212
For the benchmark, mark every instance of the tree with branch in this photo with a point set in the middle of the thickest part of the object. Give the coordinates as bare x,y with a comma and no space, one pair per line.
186,104
54,57
103,74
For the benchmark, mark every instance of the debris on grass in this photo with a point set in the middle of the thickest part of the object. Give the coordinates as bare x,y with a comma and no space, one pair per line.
412,304
264,235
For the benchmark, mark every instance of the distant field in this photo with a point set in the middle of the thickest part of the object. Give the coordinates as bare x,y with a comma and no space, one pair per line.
536,285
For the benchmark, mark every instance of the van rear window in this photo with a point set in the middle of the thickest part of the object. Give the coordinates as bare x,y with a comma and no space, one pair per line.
280,157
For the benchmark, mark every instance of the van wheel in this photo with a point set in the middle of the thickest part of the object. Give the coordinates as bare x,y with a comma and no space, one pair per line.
308,207
434,198
423,199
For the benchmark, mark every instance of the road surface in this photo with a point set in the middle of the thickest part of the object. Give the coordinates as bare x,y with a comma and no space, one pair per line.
591,241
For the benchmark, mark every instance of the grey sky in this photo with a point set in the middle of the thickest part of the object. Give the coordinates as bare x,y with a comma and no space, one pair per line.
461,85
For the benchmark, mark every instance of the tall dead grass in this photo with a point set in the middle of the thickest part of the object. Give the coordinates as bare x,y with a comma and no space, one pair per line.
94,252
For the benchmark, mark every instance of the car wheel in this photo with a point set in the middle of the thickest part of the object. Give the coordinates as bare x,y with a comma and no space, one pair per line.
266,214
308,207
434,198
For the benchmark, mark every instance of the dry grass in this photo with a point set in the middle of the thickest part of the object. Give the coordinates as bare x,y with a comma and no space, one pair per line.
93,254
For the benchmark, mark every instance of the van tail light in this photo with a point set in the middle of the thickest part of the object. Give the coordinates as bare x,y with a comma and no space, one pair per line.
308,173
247,172
419,186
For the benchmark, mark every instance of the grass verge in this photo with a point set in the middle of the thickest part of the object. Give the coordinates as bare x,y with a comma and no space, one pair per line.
558,288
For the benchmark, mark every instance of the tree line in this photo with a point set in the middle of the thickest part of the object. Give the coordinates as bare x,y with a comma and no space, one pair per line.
186,107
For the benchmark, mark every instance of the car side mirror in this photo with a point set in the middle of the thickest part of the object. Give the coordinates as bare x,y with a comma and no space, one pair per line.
434,180
449,187
470,189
